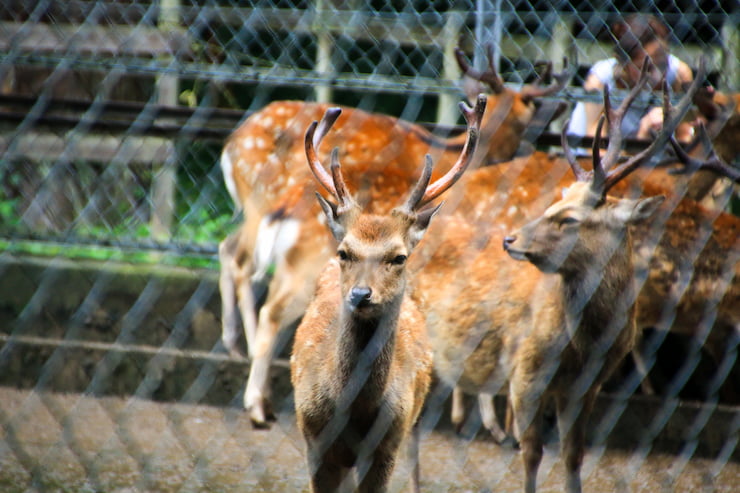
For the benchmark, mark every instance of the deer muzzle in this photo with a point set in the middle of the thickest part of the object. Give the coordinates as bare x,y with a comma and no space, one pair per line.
359,297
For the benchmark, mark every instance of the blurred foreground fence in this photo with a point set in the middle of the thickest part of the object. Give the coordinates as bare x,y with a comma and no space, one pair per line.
112,116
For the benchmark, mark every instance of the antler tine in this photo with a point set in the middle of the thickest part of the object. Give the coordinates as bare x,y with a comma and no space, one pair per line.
635,91
614,117
599,173
314,135
547,73
712,163
473,116
489,77
560,80
581,174
343,196
327,121
671,118
418,192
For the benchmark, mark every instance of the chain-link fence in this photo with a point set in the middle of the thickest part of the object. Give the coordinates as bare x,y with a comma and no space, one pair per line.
113,117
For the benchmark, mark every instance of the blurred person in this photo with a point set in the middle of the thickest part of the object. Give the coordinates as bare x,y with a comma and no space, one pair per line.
637,37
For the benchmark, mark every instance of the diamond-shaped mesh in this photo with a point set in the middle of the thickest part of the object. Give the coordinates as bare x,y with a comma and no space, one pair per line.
113,374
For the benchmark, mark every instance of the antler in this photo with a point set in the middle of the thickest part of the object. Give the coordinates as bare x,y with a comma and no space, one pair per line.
490,77
614,118
333,184
671,118
423,193
712,162
603,176
532,91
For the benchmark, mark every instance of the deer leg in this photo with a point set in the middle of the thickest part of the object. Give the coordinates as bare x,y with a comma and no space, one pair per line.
531,448
287,298
643,371
247,309
227,287
489,418
509,424
457,415
724,351
414,439
257,393
644,357
572,420
325,476
378,475
527,428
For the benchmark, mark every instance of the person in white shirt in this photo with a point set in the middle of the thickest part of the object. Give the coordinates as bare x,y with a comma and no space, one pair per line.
637,37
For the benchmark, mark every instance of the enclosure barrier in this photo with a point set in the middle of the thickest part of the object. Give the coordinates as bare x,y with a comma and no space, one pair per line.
112,203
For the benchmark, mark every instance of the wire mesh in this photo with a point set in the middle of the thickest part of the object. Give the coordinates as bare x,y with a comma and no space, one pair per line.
114,114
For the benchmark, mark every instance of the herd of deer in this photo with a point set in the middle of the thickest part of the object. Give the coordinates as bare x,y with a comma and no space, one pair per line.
596,266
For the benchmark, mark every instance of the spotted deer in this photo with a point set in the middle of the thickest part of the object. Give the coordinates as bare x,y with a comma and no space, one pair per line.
538,329
689,258
721,113
280,244
715,126
683,293
361,363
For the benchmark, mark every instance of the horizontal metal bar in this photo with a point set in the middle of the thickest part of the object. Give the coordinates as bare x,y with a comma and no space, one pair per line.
133,348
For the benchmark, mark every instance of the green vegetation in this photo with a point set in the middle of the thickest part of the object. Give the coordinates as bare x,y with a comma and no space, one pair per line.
108,253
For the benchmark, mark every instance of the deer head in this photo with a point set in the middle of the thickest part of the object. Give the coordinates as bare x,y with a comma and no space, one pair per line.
477,81
509,111
587,223
373,249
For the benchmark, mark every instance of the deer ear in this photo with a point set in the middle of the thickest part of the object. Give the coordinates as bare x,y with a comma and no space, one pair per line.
421,223
632,211
333,218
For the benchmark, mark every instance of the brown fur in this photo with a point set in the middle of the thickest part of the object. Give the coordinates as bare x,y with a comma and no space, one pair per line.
491,323
380,157
327,347
361,363
498,325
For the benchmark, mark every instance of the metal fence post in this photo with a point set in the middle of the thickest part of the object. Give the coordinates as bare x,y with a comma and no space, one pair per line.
730,63
561,47
447,113
324,42
164,181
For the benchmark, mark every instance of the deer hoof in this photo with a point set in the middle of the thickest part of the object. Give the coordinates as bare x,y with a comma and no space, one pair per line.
506,441
499,436
261,416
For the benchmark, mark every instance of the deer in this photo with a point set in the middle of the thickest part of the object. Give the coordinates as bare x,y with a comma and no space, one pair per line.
667,263
361,363
690,258
529,328
721,114
715,126
277,252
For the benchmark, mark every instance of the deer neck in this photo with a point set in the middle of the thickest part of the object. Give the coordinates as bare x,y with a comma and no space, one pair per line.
450,144
365,352
598,299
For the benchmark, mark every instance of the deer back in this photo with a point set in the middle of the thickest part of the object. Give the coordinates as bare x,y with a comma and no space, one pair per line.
264,154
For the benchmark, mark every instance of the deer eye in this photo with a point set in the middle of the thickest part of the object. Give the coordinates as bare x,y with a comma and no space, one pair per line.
398,260
564,221
342,254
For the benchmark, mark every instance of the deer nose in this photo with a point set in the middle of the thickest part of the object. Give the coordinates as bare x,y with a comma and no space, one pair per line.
508,240
359,295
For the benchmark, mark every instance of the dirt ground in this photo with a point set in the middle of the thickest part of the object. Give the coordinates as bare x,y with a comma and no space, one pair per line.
72,442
